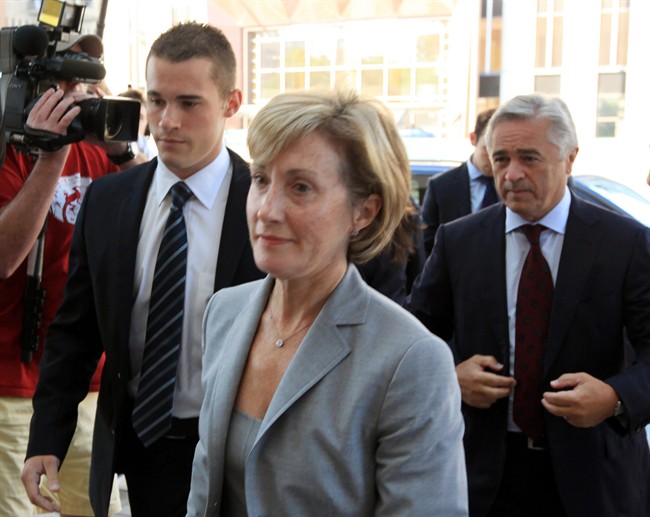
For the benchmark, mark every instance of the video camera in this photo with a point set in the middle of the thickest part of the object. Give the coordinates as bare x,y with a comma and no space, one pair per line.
30,64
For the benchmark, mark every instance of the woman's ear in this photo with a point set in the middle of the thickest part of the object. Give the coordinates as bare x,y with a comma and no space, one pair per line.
366,211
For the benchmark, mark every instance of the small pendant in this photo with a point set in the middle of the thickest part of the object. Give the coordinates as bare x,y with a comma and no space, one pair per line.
279,343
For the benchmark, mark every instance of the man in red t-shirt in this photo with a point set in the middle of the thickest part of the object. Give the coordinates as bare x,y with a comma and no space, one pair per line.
35,189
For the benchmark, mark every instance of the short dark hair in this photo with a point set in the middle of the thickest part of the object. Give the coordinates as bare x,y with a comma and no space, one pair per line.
190,40
482,120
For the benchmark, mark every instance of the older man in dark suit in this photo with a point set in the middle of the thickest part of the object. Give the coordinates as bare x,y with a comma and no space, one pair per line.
151,245
460,191
534,296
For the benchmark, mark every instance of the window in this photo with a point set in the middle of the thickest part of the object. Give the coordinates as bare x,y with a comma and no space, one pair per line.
550,33
489,51
612,59
401,62
611,103
614,23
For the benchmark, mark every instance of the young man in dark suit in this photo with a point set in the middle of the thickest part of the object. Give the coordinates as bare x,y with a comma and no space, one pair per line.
113,299
534,296
460,191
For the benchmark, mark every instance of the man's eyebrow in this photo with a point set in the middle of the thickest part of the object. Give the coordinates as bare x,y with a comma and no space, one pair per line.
522,150
186,97
189,97
528,150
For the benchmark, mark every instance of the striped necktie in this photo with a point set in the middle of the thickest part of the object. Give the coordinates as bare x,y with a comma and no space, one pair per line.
152,412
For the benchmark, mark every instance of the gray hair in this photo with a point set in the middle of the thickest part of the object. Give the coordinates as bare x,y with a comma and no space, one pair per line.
562,131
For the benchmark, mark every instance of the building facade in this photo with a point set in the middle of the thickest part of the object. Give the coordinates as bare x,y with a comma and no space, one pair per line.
435,63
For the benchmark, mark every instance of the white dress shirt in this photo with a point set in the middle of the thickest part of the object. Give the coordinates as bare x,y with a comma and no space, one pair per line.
517,247
204,215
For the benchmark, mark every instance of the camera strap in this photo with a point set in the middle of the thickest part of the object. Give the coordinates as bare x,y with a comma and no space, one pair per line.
48,141
34,296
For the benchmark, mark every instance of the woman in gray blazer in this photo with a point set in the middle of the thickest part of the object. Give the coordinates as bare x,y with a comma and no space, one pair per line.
322,397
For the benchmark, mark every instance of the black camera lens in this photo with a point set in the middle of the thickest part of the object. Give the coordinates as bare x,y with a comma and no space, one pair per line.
114,118
110,118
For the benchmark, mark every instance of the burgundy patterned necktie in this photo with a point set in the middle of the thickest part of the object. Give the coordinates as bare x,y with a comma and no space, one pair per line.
534,299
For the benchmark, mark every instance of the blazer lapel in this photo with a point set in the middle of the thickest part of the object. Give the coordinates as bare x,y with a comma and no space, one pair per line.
581,241
463,193
231,360
236,348
493,278
323,347
234,234
128,222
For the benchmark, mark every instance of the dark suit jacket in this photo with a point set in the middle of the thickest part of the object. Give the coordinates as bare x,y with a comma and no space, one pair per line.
447,198
96,312
602,287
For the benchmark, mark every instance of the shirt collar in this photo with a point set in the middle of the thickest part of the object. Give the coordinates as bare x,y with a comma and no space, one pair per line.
555,220
205,183
473,171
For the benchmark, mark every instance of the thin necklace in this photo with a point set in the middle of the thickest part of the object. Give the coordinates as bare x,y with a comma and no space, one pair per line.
279,343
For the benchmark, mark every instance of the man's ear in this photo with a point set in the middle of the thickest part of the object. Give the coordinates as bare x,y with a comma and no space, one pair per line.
233,103
570,159
473,139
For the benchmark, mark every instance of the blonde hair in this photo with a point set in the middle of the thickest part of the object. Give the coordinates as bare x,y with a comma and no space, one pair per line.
373,158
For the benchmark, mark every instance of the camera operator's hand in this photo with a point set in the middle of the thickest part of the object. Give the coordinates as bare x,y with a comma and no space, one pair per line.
100,89
110,147
21,219
53,112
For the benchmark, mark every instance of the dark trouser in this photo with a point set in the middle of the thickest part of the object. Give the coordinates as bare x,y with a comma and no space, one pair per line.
158,477
528,487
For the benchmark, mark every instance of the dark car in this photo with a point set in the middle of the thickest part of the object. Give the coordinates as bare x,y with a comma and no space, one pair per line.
614,196
421,171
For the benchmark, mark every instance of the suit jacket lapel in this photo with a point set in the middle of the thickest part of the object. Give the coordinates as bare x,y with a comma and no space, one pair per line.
232,360
323,347
234,234
463,194
581,241
128,222
237,346
130,217
492,273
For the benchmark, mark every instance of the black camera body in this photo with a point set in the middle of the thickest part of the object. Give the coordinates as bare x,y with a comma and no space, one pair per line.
30,65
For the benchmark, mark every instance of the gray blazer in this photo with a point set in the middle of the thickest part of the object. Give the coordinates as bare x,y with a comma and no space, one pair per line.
366,420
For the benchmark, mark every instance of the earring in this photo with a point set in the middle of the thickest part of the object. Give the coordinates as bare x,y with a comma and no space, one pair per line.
354,233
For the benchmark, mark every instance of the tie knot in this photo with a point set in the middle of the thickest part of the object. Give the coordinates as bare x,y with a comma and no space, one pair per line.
485,180
180,194
532,232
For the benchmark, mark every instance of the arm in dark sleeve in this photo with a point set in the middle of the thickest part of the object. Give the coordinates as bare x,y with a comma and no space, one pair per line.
72,351
430,217
431,298
386,276
633,384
